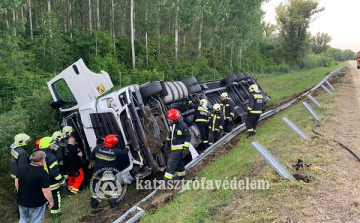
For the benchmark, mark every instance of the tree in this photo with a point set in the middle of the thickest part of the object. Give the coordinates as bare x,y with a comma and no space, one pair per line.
320,42
294,20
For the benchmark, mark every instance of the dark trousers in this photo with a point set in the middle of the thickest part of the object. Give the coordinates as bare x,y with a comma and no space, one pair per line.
175,163
214,136
251,122
57,201
203,128
228,125
98,185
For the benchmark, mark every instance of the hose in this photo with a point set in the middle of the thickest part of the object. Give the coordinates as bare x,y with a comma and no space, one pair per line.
341,144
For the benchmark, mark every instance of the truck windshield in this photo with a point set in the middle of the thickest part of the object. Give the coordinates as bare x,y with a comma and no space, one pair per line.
63,94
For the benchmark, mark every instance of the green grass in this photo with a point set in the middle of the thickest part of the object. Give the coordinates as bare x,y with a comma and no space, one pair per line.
243,161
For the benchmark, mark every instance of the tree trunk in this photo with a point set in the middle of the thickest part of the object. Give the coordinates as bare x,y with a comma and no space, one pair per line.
49,17
14,21
176,30
146,37
90,21
70,20
132,32
200,32
30,21
240,55
97,14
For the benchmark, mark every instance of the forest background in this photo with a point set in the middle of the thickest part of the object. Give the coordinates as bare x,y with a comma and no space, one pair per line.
141,41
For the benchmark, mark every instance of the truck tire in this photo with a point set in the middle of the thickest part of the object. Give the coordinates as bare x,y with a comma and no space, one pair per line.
178,87
184,88
246,75
150,89
175,92
168,98
229,79
194,88
240,76
190,81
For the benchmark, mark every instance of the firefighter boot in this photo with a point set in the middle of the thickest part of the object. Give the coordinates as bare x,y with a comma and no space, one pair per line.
250,134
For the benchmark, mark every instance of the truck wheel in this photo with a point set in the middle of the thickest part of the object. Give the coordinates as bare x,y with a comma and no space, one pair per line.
175,91
184,88
168,98
229,79
246,75
194,88
190,81
178,87
150,89
240,76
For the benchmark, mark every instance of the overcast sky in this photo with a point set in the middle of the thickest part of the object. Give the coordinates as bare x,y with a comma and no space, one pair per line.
339,20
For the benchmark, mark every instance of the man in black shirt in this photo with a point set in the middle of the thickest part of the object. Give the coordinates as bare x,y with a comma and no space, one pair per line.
73,157
33,186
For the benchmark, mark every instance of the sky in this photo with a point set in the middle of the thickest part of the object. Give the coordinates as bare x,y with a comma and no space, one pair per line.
339,20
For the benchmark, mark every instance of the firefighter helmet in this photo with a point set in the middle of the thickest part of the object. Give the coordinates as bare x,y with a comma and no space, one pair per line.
203,102
46,142
253,88
67,130
37,144
110,140
217,107
173,114
224,95
57,136
21,139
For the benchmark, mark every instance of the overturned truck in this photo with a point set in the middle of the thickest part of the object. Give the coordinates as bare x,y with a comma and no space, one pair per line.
137,113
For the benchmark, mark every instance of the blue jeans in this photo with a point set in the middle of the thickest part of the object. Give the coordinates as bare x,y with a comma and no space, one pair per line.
33,215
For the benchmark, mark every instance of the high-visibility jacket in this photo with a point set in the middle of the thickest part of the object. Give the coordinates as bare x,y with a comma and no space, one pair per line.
227,108
179,135
201,113
216,121
52,167
19,158
105,156
256,103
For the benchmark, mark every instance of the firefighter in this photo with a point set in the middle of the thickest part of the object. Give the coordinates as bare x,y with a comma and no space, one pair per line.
67,132
216,122
51,166
105,155
73,158
201,120
227,107
177,140
19,154
256,104
59,146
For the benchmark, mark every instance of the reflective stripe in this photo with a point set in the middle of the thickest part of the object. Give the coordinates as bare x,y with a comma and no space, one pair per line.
186,144
53,164
168,175
94,196
255,112
13,176
177,147
54,211
201,120
167,138
250,130
105,157
205,141
179,133
54,186
181,174
14,153
203,109
258,96
221,127
248,108
232,113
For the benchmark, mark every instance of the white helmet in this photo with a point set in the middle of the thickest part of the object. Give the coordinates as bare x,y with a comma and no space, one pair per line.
217,107
67,130
253,88
203,102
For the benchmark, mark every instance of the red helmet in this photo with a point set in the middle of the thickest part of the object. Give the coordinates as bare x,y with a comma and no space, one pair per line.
173,114
37,143
110,140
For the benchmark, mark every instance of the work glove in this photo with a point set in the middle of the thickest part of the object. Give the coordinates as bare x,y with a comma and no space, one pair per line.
91,165
63,183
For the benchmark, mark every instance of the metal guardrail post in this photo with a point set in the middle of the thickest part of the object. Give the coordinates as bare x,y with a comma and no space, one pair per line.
272,161
328,83
313,113
295,128
315,101
326,89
